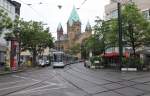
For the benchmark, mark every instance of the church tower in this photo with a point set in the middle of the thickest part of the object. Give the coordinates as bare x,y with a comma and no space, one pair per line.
88,28
59,31
73,26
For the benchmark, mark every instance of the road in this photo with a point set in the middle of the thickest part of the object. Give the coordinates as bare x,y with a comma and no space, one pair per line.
75,80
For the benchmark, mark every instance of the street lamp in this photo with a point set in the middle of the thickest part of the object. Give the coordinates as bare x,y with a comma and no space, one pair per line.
59,41
120,33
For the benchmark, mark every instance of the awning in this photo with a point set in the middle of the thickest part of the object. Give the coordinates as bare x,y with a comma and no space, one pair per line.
114,54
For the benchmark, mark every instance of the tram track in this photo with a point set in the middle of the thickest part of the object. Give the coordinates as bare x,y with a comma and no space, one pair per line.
82,89
38,82
71,75
75,68
72,83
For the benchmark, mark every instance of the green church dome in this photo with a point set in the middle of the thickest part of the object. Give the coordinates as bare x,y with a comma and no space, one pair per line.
74,17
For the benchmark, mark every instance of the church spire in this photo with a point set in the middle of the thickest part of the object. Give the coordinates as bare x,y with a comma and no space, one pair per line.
59,28
74,17
59,31
88,27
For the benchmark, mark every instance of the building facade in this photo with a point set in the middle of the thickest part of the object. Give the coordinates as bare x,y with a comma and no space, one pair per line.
144,6
111,8
74,35
12,8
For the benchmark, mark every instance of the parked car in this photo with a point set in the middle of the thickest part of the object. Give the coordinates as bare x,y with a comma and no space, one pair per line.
47,63
41,63
87,63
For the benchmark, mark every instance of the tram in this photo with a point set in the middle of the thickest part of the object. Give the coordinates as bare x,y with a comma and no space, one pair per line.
60,59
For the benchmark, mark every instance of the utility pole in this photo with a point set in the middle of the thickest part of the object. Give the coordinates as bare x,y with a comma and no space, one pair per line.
59,47
120,34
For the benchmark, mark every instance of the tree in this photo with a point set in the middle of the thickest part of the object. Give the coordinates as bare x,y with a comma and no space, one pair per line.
134,26
104,36
34,38
5,21
110,33
94,44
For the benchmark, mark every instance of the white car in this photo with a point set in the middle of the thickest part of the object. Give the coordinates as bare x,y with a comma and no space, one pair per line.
87,63
41,63
58,65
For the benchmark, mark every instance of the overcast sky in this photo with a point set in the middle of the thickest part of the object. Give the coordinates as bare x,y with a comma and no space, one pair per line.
48,11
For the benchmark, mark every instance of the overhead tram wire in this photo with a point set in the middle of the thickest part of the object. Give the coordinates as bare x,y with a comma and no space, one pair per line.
29,5
82,4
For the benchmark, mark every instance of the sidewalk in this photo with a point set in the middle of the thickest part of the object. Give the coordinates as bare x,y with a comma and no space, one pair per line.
21,69
4,72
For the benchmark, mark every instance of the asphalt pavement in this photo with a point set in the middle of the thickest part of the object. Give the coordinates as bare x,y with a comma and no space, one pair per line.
75,80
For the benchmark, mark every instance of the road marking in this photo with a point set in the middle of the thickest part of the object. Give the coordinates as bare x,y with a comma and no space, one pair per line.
25,85
27,78
35,91
7,83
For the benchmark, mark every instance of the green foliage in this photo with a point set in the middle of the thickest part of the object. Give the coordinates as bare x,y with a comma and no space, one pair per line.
104,36
96,58
5,21
134,26
34,37
134,62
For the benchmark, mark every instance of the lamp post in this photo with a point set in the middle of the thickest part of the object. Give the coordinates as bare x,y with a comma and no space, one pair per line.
120,33
59,45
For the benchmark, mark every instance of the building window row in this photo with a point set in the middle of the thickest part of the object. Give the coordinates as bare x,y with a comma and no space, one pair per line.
114,14
7,6
146,14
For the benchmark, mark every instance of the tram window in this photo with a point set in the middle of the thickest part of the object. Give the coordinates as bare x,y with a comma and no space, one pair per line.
55,58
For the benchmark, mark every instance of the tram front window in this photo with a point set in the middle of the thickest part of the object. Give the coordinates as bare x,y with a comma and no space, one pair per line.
57,58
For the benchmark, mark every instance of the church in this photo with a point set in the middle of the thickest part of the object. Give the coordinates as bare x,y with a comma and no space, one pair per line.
74,36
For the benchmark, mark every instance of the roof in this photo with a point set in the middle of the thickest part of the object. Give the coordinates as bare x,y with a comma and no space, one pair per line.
15,3
59,28
74,17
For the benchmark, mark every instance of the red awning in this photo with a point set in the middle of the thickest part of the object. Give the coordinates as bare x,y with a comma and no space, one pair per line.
114,54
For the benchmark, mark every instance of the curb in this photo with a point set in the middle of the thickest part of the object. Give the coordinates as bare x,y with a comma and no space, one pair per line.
17,71
11,72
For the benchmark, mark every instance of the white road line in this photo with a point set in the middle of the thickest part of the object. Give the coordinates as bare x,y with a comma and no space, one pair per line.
7,83
29,84
35,91
27,78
